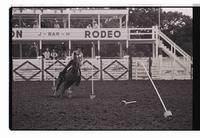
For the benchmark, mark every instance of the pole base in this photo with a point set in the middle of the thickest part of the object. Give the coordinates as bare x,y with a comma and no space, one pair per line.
92,96
54,90
168,114
123,103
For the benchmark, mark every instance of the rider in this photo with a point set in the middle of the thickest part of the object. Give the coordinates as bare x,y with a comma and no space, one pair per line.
79,54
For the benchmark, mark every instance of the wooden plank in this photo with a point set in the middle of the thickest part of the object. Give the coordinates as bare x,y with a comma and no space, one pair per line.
27,68
113,70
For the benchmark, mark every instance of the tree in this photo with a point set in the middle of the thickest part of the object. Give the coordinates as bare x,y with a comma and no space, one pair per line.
178,27
143,17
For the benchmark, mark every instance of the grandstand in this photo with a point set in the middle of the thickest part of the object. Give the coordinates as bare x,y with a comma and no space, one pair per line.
108,44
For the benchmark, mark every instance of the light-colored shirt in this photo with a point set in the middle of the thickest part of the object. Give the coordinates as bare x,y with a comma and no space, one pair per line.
47,54
54,55
56,25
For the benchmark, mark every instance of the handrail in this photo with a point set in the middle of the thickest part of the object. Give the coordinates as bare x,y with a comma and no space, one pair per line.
174,45
139,28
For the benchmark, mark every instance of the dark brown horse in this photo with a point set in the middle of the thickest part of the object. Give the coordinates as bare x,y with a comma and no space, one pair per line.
70,75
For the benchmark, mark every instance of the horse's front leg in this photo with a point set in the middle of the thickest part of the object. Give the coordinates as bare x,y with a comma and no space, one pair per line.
68,87
60,89
69,92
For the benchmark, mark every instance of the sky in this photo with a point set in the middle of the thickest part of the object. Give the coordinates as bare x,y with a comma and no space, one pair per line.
186,11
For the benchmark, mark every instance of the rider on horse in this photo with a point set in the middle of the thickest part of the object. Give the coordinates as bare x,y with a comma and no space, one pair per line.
72,71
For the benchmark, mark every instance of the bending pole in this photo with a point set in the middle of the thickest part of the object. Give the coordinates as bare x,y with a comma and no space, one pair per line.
92,96
92,81
154,87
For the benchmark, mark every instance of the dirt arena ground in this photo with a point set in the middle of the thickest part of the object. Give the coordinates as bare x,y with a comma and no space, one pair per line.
34,107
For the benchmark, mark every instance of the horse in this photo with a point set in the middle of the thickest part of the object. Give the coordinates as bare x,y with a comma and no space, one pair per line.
70,75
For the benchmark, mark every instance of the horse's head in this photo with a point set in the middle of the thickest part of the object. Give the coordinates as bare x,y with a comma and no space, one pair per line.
76,62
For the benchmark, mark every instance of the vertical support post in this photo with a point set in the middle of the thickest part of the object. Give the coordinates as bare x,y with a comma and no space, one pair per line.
40,48
127,46
120,22
174,51
98,46
99,24
130,68
157,41
92,78
153,32
101,70
92,50
92,96
70,48
159,18
20,51
160,66
153,50
42,60
42,68
64,22
39,21
127,29
120,49
150,64
127,18
69,21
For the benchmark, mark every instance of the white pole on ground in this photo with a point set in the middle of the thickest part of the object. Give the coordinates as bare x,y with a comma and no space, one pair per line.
167,113
124,102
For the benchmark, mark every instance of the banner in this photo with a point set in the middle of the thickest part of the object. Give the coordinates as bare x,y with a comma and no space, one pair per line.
69,34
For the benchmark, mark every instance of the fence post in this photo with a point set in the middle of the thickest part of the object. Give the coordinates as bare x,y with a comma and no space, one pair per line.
42,68
150,64
130,68
160,66
101,70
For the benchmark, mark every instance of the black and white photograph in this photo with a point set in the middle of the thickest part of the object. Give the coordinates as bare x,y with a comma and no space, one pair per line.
101,68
